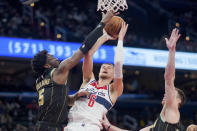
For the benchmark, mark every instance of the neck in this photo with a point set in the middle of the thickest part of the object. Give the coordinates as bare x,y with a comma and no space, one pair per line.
103,82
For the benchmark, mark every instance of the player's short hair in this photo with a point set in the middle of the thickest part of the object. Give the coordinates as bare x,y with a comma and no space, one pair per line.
181,95
108,64
38,62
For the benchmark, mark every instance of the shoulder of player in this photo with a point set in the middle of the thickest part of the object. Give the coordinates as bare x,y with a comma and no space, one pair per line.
57,77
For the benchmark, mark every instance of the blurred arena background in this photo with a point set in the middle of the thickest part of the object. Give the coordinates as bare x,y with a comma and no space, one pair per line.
69,21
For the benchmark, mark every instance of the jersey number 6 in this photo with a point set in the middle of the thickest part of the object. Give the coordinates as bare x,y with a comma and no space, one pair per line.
92,100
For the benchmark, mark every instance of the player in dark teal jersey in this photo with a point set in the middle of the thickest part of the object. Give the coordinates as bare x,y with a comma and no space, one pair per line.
169,119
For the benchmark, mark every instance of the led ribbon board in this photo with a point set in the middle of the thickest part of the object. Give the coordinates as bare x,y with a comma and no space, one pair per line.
27,48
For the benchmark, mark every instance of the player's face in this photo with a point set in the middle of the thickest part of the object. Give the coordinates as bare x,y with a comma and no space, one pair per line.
51,60
106,71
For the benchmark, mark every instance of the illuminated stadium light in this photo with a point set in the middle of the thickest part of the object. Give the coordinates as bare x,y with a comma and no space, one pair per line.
177,24
187,38
32,4
59,36
186,75
137,72
42,24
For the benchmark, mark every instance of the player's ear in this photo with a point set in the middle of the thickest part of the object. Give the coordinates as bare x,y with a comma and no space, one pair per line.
179,102
47,66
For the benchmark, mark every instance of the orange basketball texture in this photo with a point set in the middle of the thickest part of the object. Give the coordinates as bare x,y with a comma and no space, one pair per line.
113,26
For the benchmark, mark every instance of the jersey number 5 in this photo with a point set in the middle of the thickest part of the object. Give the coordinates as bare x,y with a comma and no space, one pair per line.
41,97
92,100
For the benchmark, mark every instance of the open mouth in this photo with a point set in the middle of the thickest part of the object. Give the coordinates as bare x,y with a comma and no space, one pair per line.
105,72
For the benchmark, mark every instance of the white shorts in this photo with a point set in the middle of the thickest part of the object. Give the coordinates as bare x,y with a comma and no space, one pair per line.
81,127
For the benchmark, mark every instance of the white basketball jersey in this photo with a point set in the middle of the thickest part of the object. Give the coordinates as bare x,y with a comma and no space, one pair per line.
90,110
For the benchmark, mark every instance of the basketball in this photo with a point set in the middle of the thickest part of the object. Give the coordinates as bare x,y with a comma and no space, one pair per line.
113,26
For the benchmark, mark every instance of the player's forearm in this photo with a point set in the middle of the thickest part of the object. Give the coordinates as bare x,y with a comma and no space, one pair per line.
170,68
97,45
92,38
169,78
118,60
118,76
88,59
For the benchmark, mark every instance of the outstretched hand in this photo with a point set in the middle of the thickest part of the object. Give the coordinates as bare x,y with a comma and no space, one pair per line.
171,43
123,31
107,17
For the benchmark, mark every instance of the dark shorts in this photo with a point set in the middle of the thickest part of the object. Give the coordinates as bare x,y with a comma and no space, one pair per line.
46,126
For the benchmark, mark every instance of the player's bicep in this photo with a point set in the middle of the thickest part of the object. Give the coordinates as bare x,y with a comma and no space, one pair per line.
69,63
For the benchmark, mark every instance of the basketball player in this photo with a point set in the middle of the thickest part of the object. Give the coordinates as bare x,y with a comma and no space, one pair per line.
192,128
86,112
169,119
51,82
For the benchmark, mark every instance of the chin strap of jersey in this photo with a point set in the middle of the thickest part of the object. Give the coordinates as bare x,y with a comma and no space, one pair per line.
92,38
118,60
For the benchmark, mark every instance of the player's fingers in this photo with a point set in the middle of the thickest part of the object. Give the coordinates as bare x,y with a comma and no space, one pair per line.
116,13
173,32
111,12
102,14
177,31
123,25
80,94
88,94
179,35
101,121
127,26
166,39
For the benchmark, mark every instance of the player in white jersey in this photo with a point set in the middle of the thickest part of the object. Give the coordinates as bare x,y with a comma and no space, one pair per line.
86,112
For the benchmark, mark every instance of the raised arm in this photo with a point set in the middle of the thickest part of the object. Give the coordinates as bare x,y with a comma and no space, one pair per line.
88,59
170,69
61,73
117,86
